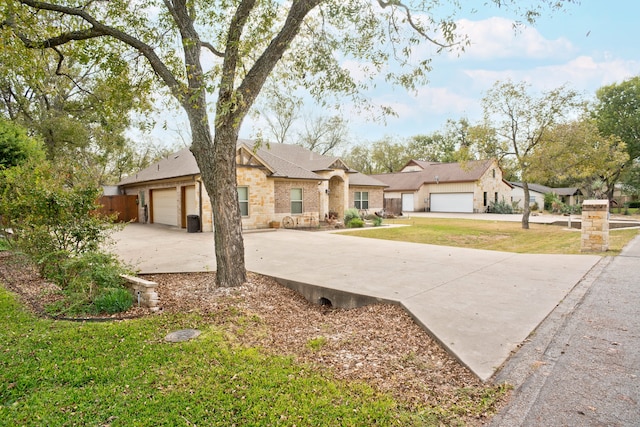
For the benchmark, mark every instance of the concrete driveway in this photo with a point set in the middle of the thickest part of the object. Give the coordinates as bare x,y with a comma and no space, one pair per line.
480,305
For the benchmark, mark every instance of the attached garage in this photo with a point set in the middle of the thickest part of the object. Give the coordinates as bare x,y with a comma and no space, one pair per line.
164,206
452,202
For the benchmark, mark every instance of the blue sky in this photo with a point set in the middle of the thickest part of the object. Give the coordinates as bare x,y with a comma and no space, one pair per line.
589,45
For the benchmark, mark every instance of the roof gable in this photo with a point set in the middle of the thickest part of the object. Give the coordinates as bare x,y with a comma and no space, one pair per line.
433,173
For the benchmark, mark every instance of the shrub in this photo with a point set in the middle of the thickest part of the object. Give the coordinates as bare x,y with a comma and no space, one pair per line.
84,272
48,215
377,221
350,214
355,223
549,199
501,207
113,300
634,205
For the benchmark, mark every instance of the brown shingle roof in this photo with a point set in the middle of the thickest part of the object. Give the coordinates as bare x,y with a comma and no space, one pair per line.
177,164
432,173
284,160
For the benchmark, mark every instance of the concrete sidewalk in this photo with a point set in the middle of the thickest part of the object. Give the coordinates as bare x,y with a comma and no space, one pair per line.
480,305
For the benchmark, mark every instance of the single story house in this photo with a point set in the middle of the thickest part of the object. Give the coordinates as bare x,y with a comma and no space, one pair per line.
568,195
445,187
274,181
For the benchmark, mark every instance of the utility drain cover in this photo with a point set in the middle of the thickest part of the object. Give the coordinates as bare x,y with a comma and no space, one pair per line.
182,335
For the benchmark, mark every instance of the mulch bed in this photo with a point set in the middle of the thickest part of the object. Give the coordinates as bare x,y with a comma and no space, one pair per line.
378,344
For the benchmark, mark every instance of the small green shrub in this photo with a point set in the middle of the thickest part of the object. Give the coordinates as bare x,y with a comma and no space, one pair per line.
549,200
350,214
501,207
113,300
355,223
634,205
377,221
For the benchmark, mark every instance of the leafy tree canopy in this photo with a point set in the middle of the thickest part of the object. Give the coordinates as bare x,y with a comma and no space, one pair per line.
16,147
617,113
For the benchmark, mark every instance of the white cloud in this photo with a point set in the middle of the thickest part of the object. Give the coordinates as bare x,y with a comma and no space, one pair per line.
581,73
496,38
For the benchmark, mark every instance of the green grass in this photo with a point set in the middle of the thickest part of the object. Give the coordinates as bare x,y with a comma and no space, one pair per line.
124,374
492,235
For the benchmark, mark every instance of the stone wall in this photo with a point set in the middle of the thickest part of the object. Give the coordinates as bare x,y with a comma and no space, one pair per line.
144,291
595,226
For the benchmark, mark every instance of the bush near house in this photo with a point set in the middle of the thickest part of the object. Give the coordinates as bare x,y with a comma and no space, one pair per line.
553,204
54,223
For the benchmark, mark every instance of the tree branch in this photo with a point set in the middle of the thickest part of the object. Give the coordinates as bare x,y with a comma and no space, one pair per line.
257,75
98,29
212,49
397,3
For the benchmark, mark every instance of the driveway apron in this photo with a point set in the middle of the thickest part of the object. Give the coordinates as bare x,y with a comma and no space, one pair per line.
480,305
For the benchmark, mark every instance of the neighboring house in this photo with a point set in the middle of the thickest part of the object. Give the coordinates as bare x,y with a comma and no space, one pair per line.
274,181
445,187
568,195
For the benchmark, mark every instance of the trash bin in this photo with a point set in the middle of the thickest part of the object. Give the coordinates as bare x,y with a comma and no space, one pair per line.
193,223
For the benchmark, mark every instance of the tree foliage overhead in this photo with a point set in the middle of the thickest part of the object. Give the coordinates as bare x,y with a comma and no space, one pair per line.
79,101
16,147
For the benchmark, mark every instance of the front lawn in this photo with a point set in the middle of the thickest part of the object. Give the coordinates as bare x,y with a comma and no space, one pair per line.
492,235
123,374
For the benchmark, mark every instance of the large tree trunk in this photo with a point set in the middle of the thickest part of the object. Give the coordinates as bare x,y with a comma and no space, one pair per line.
217,163
527,209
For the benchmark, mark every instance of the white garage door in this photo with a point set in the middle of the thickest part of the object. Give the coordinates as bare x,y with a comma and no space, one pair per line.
164,206
452,202
407,203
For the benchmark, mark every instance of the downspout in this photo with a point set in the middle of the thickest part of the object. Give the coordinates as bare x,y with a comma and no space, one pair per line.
200,203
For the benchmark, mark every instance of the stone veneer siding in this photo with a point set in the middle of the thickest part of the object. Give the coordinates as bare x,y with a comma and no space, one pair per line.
261,199
310,197
595,226
376,197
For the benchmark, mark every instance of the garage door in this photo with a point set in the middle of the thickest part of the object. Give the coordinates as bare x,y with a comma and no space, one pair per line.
407,203
452,202
164,206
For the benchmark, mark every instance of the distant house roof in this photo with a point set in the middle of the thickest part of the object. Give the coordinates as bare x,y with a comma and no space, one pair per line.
282,161
543,189
432,173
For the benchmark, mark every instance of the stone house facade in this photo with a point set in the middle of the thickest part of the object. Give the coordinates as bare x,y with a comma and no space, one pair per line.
274,181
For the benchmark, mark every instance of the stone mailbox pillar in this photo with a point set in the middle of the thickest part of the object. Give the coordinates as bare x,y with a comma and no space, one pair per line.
595,226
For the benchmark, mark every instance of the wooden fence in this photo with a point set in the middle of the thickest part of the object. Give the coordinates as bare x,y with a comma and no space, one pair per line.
125,206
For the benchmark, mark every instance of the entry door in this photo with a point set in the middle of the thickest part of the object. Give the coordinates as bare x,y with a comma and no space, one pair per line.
407,203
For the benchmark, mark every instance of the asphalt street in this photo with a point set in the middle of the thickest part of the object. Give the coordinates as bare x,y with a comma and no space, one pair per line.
582,366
